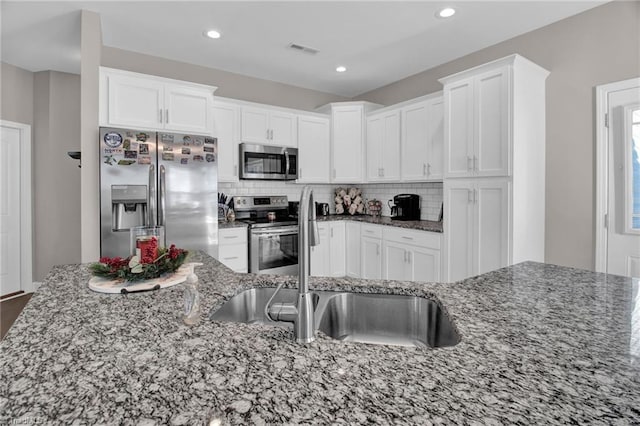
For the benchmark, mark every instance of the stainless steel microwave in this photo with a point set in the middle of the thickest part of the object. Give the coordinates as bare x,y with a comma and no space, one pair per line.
267,162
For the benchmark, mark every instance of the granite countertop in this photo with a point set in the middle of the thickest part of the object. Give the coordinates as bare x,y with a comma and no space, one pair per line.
420,225
541,344
223,224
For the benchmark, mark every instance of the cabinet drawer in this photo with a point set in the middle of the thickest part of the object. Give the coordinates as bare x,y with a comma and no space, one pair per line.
234,256
374,231
232,236
417,238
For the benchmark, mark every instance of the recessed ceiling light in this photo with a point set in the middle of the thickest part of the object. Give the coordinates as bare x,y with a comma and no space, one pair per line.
447,12
212,34
341,69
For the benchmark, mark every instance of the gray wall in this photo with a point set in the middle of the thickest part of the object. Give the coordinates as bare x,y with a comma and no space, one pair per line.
56,179
16,91
596,47
229,85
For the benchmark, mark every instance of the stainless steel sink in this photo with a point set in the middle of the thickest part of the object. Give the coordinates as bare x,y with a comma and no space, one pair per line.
355,317
386,319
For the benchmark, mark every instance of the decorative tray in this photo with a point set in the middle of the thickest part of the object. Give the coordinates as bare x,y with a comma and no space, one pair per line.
105,285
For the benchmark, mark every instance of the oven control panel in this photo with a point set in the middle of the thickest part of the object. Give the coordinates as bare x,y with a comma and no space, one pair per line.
260,202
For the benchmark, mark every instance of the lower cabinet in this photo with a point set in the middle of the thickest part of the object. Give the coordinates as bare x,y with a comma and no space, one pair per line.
232,248
411,255
352,245
371,252
328,257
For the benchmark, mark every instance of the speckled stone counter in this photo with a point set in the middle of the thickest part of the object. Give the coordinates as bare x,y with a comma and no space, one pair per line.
223,224
540,344
420,225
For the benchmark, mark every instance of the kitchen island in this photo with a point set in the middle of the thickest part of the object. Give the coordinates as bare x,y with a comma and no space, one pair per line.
541,344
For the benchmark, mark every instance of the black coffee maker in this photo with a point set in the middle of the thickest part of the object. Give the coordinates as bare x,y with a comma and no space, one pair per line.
405,207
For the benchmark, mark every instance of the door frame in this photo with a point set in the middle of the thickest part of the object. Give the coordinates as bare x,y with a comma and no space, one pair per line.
26,256
602,166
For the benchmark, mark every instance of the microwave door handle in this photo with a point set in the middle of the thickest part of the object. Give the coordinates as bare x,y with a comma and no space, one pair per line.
151,197
286,165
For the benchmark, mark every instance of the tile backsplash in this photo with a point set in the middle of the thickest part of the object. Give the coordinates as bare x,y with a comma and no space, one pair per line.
430,193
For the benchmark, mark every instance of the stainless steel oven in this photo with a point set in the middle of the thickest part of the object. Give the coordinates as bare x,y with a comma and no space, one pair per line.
268,162
274,250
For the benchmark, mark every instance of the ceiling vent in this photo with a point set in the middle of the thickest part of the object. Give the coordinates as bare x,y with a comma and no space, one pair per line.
305,49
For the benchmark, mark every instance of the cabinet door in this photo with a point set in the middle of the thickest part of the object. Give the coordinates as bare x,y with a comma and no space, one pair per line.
254,125
375,134
370,258
423,264
188,109
352,266
491,147
282,127
338,252
458,131
458,229
435,138
135,102
415,150
225,128
491,249
394,261
314,151
347,144
390,148
320,254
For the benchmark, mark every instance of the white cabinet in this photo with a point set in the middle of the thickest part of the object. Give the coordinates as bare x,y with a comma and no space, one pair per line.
371,252
411,255
422,140
477,227
232,248
143,101
268,126
383,146
494,127
226,130
352,244
478,124
314,150
328,257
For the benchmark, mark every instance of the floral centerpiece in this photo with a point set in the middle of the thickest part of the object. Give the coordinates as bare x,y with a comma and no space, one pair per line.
152,262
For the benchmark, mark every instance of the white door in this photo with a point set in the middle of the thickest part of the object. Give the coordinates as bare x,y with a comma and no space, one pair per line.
135,102
390,148
623,232
458,228
255,125
435,139
353,249
370,260
458,131
314,151
395,261
491,239
337,249
319,254
283,129
347,144
15,206
225,128
188,109
424,264
375,133
415,150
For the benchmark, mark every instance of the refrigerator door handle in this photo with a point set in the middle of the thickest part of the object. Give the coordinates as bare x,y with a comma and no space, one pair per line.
161,204
151,197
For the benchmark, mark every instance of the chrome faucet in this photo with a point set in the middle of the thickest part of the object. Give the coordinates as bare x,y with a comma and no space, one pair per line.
301,312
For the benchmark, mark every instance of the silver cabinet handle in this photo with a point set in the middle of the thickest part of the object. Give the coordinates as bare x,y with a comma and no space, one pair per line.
475,163
300,173
230,237
382,171
167,116
235,170
428,169
151,196
230,258
470,195
331,232
377,250
160,115
271,134
469,163
424,169
407,238
475,195
267,134
163,188
408,257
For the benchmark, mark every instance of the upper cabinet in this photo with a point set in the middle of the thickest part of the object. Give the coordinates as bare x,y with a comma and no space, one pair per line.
268,126
226,118
314,151
383,146
422,140
143,101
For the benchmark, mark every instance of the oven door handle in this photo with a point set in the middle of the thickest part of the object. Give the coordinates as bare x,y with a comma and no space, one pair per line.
271,231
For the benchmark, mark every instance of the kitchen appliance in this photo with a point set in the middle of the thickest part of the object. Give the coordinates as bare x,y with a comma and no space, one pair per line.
267,162
322,209
157,178
405,207
273,242
294,208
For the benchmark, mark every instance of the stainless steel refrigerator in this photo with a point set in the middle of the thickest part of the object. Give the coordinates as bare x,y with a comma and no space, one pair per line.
158,178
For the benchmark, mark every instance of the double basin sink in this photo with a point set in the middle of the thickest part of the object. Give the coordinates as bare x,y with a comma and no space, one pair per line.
382,319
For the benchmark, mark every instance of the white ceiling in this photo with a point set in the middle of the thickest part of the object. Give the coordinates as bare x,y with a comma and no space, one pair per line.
379,42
